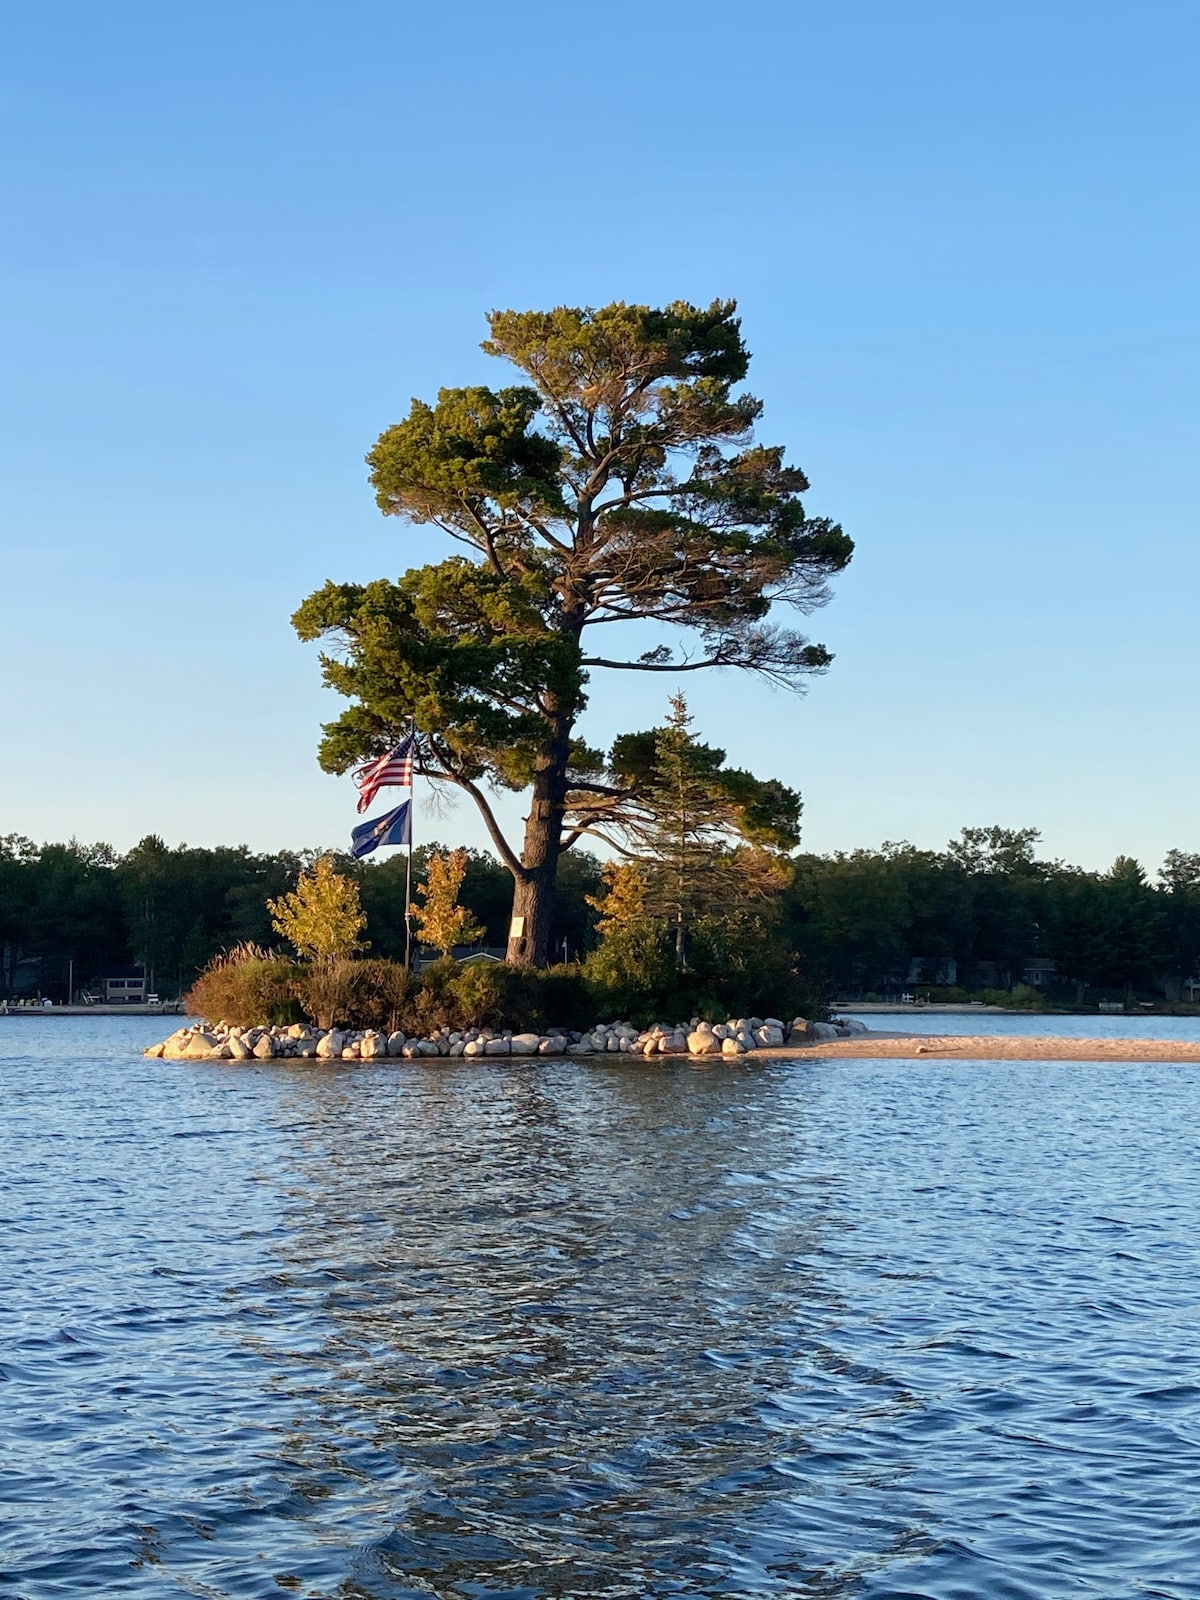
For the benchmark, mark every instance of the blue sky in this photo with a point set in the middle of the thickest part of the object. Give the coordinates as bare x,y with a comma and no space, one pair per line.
238,240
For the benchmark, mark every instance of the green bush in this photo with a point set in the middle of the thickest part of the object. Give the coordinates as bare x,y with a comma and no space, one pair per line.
1021,997
632,976
737,965
379,994
248,986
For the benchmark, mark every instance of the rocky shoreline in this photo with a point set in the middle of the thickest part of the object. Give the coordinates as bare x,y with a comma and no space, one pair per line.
739,1036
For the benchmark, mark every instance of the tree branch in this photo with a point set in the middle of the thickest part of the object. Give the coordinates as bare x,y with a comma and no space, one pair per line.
657,666
507,854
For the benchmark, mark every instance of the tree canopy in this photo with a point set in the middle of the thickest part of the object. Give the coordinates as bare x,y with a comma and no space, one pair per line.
620,483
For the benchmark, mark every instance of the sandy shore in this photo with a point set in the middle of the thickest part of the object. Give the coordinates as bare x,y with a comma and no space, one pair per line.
992,1047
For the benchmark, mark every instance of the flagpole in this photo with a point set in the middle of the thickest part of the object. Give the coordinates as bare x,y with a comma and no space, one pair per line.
412,806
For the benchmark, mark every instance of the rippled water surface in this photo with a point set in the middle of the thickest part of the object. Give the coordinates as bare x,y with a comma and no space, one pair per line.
819,1328
989,1024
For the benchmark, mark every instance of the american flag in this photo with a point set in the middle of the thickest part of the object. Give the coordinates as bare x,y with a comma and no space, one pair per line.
392,771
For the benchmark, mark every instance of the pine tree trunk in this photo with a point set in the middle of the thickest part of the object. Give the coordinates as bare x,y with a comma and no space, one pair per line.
533,896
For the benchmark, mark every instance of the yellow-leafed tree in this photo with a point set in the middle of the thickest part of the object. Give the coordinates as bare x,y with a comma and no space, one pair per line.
323,917
441,921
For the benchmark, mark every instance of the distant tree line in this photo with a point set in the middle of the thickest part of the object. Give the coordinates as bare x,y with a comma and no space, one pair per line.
86,909
985,911
981,914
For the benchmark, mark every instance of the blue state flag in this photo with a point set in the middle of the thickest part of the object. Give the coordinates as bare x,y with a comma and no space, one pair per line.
393,827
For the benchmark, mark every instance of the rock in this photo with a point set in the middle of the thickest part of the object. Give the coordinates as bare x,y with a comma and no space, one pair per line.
822,1030
554,1045
201,1044
700,1043
264,1050
732,1046
330,1044
155,1051
306,1049
473,1047
525,1044
372,1046
396,1043
581,1047
768,1036
774,1022
497,1047
352,1052
239,1050
457,1048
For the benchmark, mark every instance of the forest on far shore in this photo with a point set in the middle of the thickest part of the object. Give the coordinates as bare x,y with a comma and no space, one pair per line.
984,914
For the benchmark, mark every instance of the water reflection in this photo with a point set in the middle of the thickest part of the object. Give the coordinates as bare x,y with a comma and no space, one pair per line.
579,1309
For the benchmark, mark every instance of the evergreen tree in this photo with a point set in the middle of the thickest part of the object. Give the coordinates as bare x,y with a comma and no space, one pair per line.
619,483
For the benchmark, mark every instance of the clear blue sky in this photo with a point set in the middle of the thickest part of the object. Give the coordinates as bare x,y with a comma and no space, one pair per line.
238,239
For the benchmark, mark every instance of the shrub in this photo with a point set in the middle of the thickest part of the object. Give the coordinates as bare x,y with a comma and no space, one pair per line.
380,994
248,986
361,994
738,965
550,997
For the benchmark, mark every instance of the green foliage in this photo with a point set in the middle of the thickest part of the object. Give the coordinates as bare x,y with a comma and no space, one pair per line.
248,986
738,966
618,481
696,830
1021,997
322,918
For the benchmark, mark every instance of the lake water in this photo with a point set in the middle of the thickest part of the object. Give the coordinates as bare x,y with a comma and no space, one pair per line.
826,1328
1028,1025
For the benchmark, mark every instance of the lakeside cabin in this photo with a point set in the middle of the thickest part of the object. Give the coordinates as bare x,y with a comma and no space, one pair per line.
121,986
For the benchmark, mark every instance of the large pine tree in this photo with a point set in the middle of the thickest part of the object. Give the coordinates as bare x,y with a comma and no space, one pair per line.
620,483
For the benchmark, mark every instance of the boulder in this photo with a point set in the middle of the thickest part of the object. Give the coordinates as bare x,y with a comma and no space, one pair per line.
330,1045
731,1045
457,1048
768,1036
497,1047
473,1047
155,1051
201,1044
552,1046
822,1031
239,1050
264,1049
525,1044
396,1043
701,1043
581,1047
